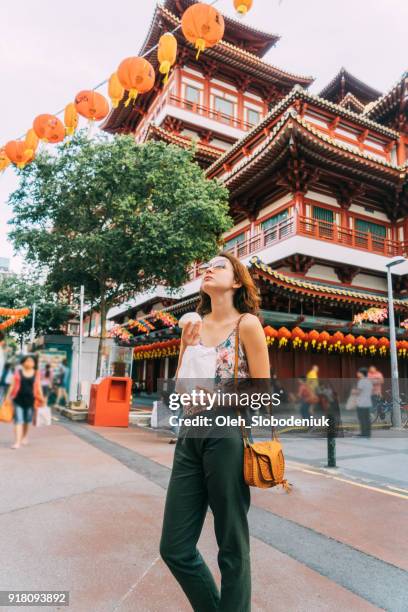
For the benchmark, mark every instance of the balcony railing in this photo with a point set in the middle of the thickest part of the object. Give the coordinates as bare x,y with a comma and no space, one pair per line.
210,113
319,230
366,241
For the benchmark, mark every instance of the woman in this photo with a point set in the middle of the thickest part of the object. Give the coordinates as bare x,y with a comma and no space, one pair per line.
209,470
364,402
46,381
25,391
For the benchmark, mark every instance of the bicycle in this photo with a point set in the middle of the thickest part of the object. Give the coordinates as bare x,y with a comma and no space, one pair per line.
383,410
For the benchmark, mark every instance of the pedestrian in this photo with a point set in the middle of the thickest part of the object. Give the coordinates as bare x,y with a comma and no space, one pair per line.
46,381
307,397
26,394
2,364
378,380
61,380
364,402
208,470
312,378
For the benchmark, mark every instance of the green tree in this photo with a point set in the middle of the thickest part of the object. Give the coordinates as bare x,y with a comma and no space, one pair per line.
22,292
117,217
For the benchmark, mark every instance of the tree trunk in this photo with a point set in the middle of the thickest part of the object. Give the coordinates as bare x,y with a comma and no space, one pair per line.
101,346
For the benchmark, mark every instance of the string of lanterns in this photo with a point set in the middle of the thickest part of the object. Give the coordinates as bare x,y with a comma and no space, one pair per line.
338,342
15,315
202,25
295,339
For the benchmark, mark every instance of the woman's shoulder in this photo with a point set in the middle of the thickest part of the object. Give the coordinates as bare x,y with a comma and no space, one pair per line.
249,322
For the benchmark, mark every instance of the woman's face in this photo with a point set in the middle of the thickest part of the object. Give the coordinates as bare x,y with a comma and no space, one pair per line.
218,274
359,375
29,364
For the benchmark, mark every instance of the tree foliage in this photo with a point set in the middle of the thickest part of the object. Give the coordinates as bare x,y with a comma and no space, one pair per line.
22,292
117,217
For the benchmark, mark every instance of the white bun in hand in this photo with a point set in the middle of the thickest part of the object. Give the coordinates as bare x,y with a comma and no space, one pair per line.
189,317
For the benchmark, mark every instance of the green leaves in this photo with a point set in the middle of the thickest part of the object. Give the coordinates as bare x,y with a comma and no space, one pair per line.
101,211
21,292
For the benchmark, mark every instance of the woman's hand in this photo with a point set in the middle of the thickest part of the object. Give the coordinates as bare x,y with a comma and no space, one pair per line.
191,333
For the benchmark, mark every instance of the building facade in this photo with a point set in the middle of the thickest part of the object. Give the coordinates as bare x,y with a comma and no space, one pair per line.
318,193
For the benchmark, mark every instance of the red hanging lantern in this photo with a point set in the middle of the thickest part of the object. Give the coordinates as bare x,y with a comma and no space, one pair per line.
115,90
70,118
4,160
372,343
166,54
91,105
17,152
361,344
313,337
284,335
49,128
242,6
136,75
203,26
323,338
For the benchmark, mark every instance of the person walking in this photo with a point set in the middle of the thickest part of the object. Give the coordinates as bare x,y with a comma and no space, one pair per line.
2,365
378,380
46,381
364,402
312,378
61,379
26,393
307,397
208,470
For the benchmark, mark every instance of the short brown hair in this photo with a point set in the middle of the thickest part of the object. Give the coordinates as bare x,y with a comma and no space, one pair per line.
246,297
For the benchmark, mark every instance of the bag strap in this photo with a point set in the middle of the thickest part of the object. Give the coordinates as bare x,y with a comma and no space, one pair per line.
236,363
244,432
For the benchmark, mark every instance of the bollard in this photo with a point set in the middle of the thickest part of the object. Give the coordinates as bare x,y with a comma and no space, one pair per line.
331,451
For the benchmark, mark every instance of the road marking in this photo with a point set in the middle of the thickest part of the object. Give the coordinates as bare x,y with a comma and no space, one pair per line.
135,585
352,482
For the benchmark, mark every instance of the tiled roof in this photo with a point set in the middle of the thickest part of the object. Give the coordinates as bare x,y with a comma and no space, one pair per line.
352,85
203,150
299,93
349,98
389,99
233,26
323,289
224,48
291,122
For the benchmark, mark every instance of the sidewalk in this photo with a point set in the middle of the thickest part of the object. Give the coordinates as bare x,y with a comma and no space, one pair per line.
82,509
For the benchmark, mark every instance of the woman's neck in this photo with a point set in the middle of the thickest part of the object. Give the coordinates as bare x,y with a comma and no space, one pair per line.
222,307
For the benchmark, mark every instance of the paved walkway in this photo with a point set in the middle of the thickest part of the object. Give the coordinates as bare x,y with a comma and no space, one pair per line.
81,510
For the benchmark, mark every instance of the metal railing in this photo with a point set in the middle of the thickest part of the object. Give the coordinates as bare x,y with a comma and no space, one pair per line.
205,111
365,241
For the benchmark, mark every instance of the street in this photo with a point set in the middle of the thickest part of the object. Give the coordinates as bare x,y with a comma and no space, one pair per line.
82,506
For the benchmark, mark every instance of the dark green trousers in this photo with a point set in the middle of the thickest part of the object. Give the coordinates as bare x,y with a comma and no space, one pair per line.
209,471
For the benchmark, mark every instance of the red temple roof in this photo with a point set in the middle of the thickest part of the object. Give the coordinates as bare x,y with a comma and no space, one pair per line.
233,60
392,107
326,291
300,94
343,83
205,154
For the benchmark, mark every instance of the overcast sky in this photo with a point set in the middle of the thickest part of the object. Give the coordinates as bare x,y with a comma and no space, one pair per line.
50,50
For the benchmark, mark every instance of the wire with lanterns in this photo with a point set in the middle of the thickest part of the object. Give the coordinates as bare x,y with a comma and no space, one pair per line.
201,24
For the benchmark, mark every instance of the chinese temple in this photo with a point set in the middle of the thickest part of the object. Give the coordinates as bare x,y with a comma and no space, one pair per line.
318,194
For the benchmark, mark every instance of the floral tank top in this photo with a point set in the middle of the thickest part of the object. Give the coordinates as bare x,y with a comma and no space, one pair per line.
225,359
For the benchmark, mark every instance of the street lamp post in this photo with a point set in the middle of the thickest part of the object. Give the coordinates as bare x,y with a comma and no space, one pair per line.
80,339
396,409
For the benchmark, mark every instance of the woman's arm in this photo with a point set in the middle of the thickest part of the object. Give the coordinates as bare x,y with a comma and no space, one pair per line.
253,338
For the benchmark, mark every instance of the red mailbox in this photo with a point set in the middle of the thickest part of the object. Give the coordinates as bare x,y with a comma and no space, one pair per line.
109,402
